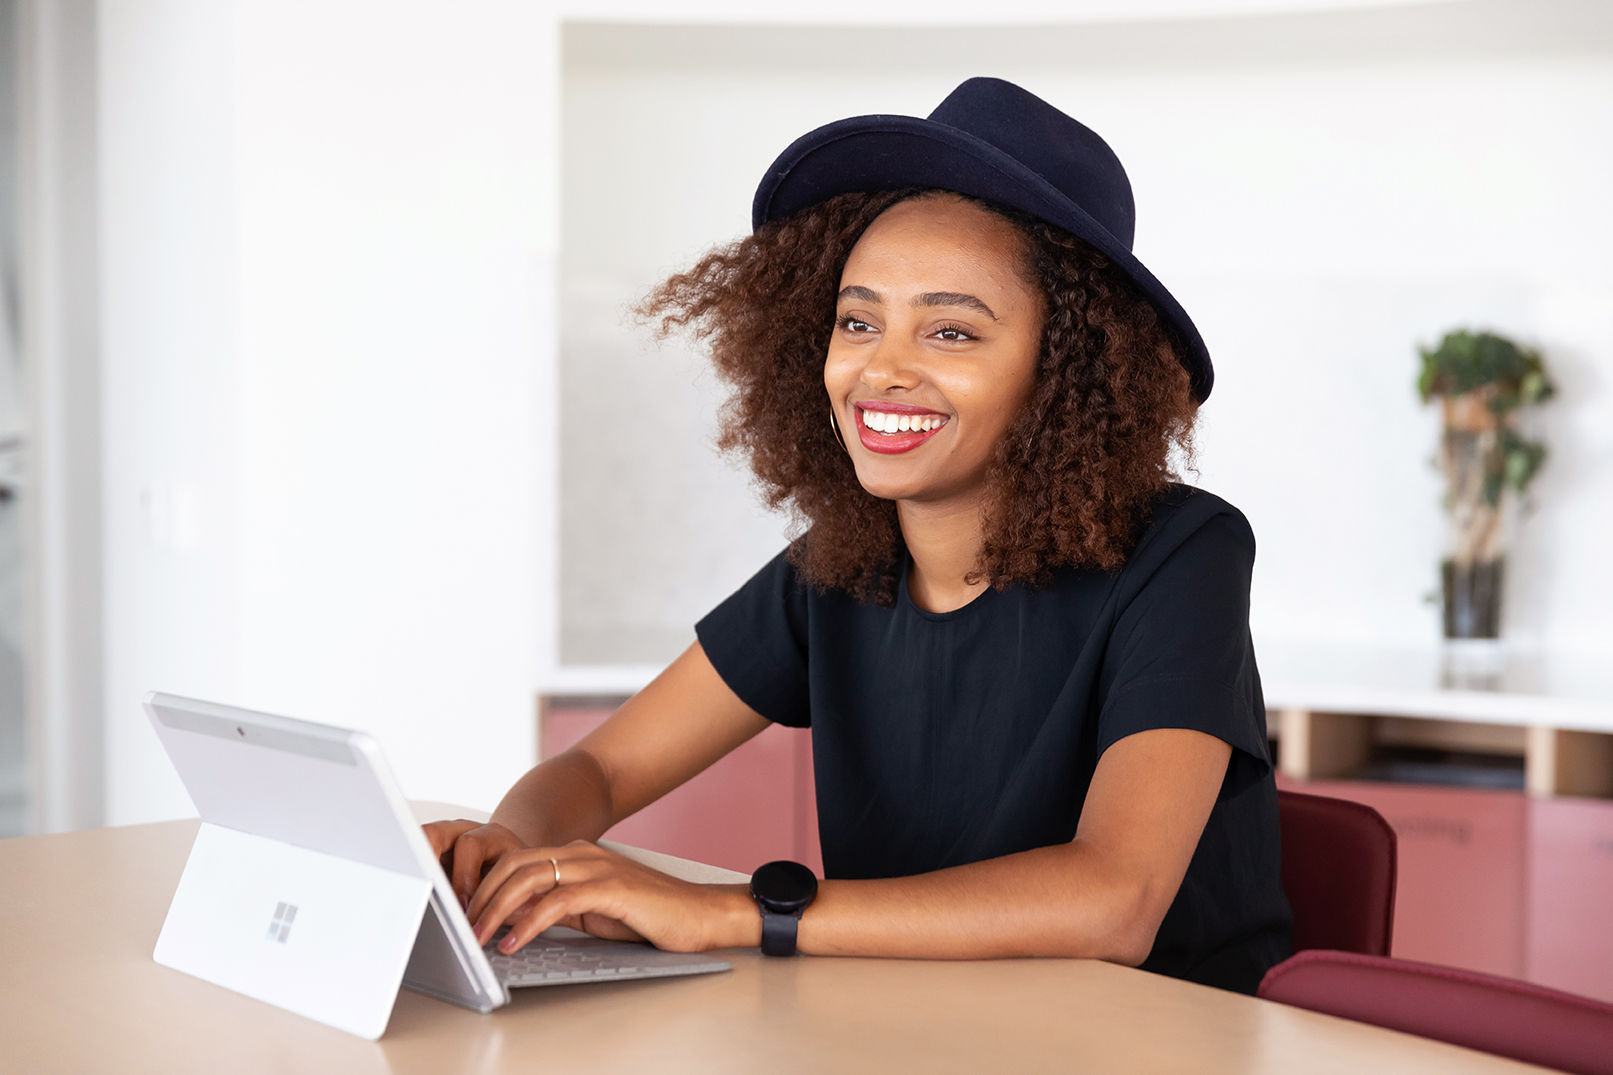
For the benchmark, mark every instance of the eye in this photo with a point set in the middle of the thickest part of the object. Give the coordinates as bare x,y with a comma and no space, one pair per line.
852,324
954,333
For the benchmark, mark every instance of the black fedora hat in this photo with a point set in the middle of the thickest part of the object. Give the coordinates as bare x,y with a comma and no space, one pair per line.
992,140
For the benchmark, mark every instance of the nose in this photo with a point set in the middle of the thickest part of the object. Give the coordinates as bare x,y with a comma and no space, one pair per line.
892,363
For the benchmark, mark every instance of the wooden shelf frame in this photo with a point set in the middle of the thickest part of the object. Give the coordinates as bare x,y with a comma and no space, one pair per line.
1321,745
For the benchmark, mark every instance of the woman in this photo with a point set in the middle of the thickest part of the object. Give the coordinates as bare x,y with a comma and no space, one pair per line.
1023,652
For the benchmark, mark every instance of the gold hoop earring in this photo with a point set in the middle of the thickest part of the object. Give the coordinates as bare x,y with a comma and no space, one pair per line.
834,425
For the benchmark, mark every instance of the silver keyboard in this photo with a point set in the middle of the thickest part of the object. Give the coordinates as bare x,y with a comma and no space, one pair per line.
561,956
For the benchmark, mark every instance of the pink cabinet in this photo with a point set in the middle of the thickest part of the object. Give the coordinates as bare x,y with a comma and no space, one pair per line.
1569,928
1460,899
1499,882
753,806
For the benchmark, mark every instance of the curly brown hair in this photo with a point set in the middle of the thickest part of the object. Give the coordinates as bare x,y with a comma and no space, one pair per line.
1071,483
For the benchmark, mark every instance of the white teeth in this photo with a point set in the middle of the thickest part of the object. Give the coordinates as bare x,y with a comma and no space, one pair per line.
889,423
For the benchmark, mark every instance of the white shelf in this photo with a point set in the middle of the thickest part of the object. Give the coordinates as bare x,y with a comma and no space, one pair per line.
597,679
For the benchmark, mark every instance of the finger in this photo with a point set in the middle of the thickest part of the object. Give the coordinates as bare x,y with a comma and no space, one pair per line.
567,903
546,860
599,907
470,857
524,890
496,877
442,834
606,927
526,883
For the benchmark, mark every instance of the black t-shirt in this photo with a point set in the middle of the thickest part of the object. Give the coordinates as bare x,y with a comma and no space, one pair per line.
946,738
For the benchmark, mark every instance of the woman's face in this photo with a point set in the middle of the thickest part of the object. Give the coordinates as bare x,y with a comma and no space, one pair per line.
935,347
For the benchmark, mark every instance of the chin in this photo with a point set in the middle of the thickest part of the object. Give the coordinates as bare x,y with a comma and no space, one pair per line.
891,486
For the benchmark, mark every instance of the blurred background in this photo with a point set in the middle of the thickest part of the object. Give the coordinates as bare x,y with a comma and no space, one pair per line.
317,392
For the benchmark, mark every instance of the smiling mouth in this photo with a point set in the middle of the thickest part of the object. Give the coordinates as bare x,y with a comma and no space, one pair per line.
894,432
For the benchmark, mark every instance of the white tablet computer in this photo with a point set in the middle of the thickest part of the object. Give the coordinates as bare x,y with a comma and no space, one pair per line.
310,885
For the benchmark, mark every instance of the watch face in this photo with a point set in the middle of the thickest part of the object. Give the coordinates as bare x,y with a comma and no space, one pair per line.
784,886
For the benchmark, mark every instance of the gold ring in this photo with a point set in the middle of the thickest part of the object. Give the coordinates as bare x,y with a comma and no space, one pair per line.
556,866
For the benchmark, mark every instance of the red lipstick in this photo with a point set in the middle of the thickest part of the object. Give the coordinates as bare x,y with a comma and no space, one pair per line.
894,443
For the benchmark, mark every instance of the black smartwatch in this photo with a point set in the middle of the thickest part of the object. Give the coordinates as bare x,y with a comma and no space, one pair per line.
782,890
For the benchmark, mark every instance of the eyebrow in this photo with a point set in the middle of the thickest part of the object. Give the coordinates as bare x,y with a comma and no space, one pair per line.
929,298
953,298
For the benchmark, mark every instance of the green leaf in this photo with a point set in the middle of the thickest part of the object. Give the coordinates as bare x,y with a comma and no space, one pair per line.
1465,360
1523,463
1493,484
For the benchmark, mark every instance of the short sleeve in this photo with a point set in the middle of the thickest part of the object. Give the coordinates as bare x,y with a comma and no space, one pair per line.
1180,655
756,640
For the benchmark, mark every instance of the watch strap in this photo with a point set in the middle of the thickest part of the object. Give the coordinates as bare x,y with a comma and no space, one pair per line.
778,933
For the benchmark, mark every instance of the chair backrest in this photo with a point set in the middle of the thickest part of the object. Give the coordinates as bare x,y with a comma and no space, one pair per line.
1480,1011
1339,872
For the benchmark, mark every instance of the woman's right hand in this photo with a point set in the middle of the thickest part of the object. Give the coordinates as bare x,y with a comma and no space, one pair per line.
468,849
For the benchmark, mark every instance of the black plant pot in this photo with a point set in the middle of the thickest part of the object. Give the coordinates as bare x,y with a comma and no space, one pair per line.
1472,598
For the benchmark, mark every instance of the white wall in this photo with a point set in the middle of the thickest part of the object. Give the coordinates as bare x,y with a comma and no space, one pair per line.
1322,192
330,242
168,380
328,266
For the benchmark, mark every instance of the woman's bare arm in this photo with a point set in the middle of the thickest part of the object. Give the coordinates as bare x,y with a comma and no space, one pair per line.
670,731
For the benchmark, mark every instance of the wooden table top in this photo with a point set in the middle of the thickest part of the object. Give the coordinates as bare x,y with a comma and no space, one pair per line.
80,913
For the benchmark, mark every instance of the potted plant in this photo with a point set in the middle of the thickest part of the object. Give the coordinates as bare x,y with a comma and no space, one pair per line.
1481,380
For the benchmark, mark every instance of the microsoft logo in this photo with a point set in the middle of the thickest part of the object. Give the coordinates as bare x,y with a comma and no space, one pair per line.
280,926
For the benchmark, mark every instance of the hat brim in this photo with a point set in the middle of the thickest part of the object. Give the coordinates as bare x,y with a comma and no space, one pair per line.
889,152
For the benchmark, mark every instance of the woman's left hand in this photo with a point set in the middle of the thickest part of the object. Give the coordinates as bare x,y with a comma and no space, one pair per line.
610,896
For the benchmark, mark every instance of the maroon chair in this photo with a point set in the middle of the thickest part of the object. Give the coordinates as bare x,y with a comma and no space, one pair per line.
1339,873
1480,1011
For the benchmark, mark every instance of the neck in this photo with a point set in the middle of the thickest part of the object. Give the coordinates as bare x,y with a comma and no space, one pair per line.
943,539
